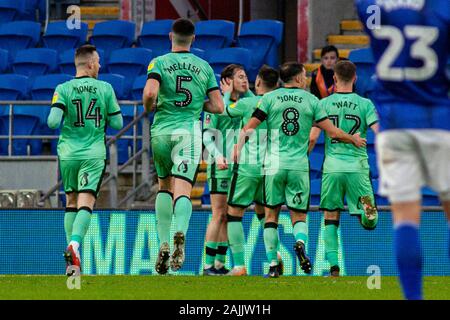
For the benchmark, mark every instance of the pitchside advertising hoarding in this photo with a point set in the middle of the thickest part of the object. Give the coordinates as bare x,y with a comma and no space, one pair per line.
125,242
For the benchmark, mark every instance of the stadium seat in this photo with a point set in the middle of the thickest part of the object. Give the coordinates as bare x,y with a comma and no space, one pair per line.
220,58
155,36
60,38
66,62
19,35
315,191
430,197
112,35
373,165
138,87
129,62
35,62
30,8
10,10
118,83
4,61
213,34
262,37
44,86
13,87
365,69
205,198
380,200
315,163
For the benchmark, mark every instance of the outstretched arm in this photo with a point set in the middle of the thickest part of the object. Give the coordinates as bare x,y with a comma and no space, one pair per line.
55,117
336,133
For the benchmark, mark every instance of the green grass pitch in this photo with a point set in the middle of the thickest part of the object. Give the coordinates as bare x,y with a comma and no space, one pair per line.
207,288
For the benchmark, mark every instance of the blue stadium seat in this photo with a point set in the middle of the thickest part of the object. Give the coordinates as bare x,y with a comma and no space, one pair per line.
60,38
138,87
118,83
206,199
155,36
199,53
19,35
112,35
130,62
35,62
262,37
30,7
365,69
315,163
4,61
373,165
220,58
213,34
66,62
430,197
315,191
10,10
44,86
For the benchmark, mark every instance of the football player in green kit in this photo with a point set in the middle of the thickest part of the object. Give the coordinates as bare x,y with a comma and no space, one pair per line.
178,83
219,137
289,113
88,106
346,168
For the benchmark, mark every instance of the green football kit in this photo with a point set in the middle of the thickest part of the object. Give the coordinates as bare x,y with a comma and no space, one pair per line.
176,135
87,104
346,167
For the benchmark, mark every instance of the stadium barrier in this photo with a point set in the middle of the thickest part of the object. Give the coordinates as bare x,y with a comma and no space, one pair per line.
125,242
114,168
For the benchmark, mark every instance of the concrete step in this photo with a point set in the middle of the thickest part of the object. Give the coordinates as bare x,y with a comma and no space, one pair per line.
343,53
197,192
201,177
351,25
91,22
112,11
348,41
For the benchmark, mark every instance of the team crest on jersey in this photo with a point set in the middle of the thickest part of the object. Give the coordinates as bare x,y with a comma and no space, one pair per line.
233,105
258,104
182,167
297,198
207,119
55,98
151,66
224,184
84,179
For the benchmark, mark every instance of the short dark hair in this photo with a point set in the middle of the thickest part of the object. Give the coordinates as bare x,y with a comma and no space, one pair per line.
85,50
289,70
183,27
327,49
230,70
345,70
269,76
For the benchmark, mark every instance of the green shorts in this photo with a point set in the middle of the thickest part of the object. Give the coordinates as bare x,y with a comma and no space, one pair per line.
245,190
177,156
287,186
218,185
82,175
351,185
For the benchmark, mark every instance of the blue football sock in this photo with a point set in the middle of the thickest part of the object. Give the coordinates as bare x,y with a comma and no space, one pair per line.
409,259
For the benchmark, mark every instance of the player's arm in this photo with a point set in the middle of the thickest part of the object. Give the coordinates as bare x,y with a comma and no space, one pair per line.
335,133
114,115
57,109
375,127
257,118
313,137
372,117
215,103
151,89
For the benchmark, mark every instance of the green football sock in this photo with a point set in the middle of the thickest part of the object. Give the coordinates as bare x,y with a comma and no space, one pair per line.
236,239
271,241
183,212
211,251
81,224
164,212
221,252
301,231
331,241
69,218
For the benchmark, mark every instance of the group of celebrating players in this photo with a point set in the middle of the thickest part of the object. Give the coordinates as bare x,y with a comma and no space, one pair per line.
266,163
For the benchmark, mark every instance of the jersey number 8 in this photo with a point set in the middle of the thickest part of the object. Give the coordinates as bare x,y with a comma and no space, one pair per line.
290,124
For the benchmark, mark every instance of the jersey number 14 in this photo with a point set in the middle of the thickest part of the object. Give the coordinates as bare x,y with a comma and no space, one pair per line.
91,113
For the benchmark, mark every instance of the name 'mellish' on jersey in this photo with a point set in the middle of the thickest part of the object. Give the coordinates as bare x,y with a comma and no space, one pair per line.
353,114
185,80
87,103
410,47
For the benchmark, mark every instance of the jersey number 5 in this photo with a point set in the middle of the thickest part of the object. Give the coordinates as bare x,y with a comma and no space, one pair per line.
89,115
186,92
424,37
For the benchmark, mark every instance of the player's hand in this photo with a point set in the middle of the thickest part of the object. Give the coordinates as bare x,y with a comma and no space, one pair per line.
358,141
222,163
226,85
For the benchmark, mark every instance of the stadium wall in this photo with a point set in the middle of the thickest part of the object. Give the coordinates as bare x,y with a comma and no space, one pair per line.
125,242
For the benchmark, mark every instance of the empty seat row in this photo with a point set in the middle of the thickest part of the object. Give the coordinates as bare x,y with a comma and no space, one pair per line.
11,10
261,37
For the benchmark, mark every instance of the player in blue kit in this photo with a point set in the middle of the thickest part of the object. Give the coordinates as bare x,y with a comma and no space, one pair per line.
410,48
